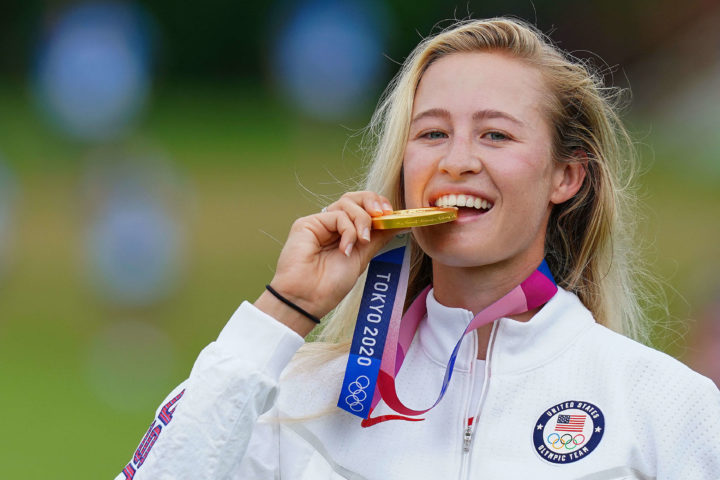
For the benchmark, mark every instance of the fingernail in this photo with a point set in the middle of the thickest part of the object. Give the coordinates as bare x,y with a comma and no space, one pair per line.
387,206
348,249
377,207
366,234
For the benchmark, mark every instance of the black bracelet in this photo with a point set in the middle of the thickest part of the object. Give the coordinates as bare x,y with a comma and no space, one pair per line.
292,305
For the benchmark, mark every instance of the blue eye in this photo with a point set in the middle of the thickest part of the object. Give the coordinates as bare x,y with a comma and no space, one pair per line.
434,135
496,136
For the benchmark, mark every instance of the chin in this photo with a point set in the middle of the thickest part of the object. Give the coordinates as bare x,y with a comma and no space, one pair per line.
452,256
453,247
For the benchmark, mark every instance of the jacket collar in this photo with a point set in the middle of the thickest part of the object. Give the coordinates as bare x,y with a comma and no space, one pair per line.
517,346
440,330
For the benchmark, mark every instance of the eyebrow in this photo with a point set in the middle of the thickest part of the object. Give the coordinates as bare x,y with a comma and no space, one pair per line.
479,115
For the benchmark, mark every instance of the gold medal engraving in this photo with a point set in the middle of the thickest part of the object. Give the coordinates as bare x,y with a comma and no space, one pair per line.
415,217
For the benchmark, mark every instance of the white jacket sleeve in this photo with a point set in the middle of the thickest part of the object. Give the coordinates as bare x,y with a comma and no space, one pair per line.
203,427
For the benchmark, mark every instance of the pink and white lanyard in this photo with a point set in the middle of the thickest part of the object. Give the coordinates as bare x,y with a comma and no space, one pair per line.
383,335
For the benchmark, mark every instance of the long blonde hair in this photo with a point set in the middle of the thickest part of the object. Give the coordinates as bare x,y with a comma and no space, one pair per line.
588,242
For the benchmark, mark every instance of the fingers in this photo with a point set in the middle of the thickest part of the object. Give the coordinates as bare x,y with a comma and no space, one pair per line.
334,224
348,234
373,203
360,208
346,222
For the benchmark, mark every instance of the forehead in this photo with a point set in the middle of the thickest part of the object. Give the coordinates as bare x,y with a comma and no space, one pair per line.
467,82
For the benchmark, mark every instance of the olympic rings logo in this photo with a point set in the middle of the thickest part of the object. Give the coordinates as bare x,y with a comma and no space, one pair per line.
569,443
358,394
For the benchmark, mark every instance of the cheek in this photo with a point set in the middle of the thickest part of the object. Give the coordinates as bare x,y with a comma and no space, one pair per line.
526,171
531,187
416,175
527,184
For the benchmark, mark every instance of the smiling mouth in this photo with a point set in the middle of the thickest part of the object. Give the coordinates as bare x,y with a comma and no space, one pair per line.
464,202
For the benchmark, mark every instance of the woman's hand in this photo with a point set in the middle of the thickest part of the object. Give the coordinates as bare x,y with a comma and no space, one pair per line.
323,257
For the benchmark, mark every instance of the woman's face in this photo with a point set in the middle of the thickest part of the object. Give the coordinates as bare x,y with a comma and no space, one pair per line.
480,139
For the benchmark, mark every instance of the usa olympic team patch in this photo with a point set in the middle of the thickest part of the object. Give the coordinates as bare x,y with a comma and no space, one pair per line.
568,431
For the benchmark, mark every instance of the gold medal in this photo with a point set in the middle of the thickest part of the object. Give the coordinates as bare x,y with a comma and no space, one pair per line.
415,217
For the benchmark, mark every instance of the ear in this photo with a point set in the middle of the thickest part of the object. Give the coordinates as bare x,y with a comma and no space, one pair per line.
568,177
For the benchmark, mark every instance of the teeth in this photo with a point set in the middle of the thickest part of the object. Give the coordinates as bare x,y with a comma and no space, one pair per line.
463,200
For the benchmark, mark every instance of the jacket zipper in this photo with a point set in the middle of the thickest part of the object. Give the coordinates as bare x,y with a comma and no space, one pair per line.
467,432
467,437
471,427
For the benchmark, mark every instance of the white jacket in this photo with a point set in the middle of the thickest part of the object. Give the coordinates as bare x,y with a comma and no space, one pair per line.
626,410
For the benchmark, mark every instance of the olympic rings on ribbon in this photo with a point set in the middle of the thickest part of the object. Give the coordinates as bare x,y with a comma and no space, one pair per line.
358,394
570,443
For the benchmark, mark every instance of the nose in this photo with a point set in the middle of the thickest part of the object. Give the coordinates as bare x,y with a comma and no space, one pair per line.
460,159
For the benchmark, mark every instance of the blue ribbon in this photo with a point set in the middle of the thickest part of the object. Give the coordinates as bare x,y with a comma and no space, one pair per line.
371,328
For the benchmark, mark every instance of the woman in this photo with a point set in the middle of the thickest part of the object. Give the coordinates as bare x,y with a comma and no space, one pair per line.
490,117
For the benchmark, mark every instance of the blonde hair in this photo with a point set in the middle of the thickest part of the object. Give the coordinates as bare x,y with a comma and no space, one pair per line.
588,242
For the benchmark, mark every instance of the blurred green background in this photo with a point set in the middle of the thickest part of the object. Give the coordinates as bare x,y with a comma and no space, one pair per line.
131,229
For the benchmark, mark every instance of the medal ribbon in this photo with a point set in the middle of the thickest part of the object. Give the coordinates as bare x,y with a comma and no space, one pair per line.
398,333
383,299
